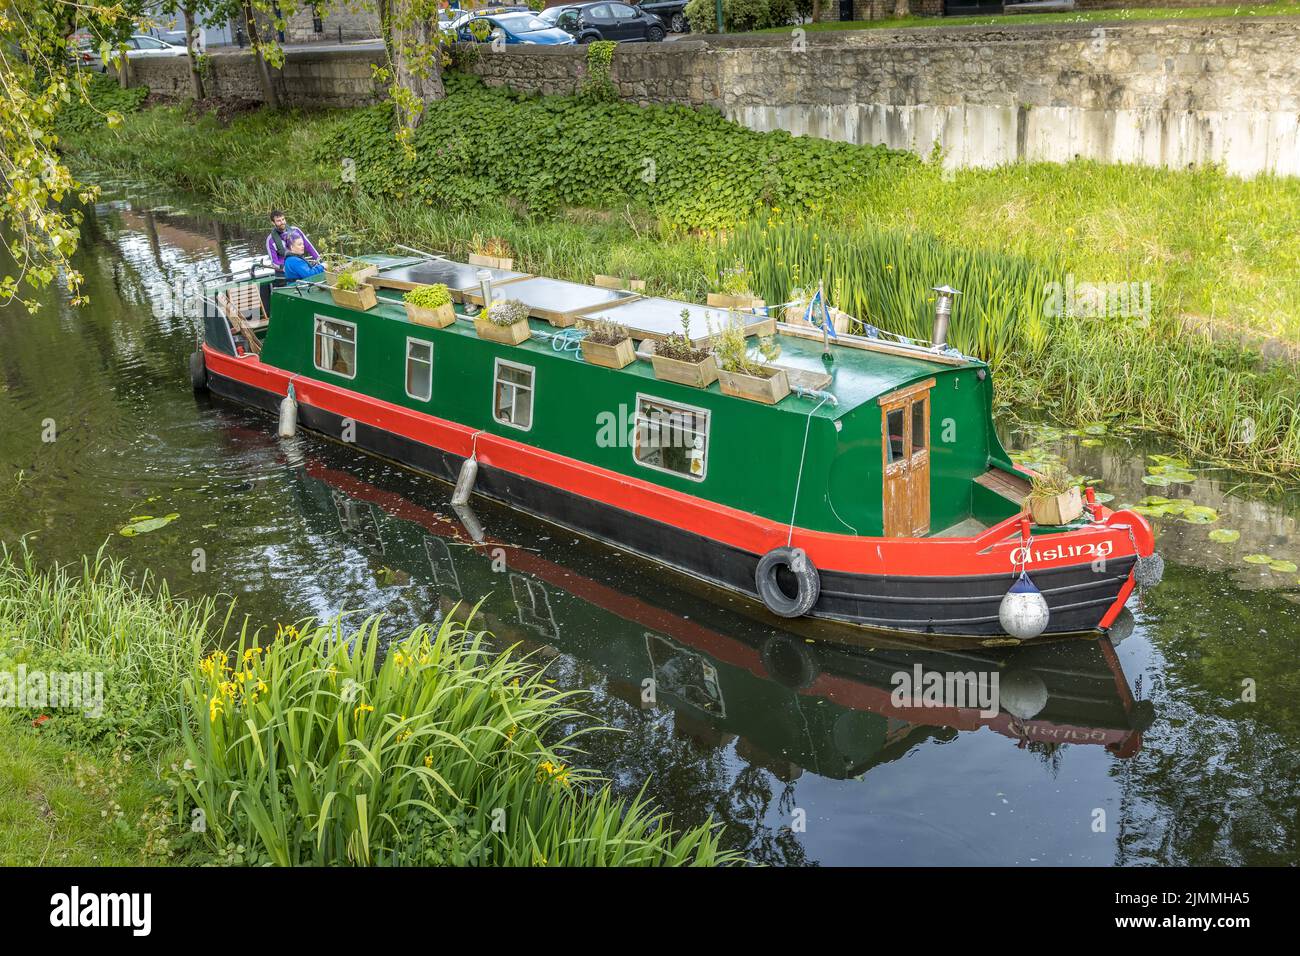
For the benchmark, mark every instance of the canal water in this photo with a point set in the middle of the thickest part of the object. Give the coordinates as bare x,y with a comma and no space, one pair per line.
1177,742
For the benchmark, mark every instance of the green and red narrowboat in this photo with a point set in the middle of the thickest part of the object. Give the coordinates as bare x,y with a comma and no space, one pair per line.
875,493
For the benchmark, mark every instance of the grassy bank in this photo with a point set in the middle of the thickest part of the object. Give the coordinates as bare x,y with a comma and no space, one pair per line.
680,198
320,744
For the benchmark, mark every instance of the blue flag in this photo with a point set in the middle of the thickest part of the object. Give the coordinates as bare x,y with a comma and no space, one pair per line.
827,325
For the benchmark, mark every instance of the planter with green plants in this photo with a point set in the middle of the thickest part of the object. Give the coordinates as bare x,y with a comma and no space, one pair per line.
734,291
504,321
741,376
430,305
361,271
607,344
677,359
348,290
1054,498
492,253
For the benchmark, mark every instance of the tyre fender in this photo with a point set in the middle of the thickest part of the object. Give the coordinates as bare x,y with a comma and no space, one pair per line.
769,591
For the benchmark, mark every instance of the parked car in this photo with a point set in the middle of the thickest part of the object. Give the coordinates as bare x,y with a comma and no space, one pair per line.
460,17
517,27
671,12
85,53
609,20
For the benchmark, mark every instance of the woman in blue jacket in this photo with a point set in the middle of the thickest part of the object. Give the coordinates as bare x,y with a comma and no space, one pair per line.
296,265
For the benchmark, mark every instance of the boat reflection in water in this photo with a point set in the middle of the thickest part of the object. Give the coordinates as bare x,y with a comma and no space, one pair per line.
790,702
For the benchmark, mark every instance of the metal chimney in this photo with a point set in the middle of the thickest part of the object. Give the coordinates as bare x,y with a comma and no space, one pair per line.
485,286
942,313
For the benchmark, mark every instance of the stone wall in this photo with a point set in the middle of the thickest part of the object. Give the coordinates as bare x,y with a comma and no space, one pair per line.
361,23
1171,92
338,77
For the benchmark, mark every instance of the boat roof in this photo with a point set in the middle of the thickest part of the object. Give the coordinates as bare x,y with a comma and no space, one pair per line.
854,376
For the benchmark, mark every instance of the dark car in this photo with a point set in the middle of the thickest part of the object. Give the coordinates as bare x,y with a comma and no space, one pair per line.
671,12
607,20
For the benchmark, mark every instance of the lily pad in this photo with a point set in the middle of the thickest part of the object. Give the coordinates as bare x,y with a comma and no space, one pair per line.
1224,536
1103,497
1091,442
144,524
1257,559
1286,567
1200,514
1160,481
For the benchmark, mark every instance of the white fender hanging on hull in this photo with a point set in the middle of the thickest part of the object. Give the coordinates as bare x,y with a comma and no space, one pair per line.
1024,612
288,415
465,483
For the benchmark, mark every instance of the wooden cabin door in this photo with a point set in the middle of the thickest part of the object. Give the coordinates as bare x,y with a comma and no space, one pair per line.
905,418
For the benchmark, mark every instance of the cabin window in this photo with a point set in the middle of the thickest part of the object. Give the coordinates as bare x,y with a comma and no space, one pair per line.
918,427
419,369
897,441
512,399
671,438
336,347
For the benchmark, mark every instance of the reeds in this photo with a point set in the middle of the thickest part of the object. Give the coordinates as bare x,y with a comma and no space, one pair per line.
323,746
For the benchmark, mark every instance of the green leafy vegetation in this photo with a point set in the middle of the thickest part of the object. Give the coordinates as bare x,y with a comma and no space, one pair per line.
325,747
429,296
695,169
319,744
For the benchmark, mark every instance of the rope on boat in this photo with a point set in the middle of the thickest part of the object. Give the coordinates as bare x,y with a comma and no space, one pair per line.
794,505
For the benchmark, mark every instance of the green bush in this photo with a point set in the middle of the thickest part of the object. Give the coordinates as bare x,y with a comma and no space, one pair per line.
696,170
743,15
104,98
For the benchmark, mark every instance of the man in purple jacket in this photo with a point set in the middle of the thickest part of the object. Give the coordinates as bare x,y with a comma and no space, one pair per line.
277,243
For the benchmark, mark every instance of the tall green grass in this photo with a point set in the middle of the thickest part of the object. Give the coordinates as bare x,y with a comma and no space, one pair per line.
325,747
97,617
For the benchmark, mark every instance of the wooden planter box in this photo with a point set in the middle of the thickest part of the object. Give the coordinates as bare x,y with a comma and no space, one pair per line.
609,356
618,282
491,262
362,298
1061,509
768,389
504,334
439,318
362,273
695,374
720,300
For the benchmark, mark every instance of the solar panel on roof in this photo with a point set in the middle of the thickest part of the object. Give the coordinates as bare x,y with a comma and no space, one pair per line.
556,300
655,318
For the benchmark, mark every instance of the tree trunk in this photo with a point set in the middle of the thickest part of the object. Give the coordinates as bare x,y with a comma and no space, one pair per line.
902,8
414,56
191,42
269,91
817,11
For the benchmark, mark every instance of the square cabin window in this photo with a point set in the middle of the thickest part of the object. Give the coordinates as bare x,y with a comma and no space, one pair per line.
512,395
419,369
336,347
672,438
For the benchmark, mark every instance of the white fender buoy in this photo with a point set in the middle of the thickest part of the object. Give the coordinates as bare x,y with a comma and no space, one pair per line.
288,415
1024,612
465,482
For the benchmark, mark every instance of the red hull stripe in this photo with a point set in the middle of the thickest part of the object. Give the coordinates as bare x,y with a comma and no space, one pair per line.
922,557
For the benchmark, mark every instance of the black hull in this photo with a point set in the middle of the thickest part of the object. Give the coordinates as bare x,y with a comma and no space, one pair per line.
951,605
